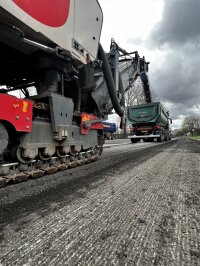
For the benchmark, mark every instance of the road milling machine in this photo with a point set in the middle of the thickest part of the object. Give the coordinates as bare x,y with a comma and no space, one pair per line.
57,85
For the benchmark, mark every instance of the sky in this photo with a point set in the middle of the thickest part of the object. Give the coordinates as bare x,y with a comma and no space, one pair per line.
167,33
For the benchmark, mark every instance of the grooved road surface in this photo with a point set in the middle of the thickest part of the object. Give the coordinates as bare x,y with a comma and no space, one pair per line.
132,207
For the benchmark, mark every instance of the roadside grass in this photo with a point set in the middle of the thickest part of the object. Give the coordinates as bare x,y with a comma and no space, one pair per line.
195,137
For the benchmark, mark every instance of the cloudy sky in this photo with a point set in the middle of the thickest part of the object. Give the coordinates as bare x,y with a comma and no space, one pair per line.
167,33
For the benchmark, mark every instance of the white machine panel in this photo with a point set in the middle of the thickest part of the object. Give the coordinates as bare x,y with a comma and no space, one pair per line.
71,24
88,15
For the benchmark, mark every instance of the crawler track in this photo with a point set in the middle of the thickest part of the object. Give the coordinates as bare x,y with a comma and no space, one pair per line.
14,172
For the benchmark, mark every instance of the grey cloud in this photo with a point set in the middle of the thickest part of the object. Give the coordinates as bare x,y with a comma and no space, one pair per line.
175,111
177,83
180,23
177,79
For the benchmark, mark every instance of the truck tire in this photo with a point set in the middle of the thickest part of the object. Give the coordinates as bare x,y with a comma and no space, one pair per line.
135,140
148,140
161,138
167,137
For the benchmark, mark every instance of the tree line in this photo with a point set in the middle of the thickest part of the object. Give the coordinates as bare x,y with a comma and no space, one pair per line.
190,125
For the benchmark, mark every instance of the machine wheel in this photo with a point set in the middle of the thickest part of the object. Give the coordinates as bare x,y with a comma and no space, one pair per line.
42,156
3,139
16,153
73,151
60,154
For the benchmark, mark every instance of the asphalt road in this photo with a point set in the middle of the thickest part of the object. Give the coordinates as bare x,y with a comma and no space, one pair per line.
139,204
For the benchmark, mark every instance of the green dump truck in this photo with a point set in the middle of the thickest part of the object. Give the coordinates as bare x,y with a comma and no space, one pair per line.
148,122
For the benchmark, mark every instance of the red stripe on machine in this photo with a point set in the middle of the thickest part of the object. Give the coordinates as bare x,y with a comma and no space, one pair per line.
53,13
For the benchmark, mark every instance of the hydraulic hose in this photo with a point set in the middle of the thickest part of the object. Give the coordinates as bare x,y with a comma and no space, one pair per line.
145,82
110,82
121,90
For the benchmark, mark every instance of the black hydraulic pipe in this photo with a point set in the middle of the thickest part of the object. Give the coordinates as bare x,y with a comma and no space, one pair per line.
121,90
145,82
109,82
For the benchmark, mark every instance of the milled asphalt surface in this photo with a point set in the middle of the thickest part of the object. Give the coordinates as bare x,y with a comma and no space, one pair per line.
131,207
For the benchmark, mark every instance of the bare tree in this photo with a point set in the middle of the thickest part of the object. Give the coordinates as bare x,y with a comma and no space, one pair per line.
134,96
154,97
